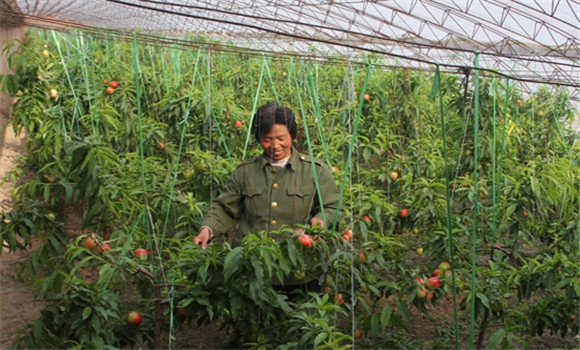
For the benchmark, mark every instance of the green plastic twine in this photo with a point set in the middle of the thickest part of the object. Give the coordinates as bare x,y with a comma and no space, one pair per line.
254,108
171,311
127,242
494,222
351,146
316,103
475,198
558,125
137,72
302,110
272,83
216,122
77,110
496,185
176,169
84,58
448,200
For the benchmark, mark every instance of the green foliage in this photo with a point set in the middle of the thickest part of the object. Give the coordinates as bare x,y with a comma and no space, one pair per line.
143,163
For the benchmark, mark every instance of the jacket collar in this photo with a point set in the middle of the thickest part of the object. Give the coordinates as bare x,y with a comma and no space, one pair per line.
292,164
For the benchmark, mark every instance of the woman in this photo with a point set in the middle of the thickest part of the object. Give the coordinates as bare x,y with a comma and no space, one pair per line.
274,190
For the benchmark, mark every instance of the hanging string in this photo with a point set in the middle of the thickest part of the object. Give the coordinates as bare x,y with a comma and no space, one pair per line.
317,114
496,186
254,107
475,199
302,111
213,118
466,123
272,82
125,247
83,63
438,89
178,157
77,112
353,138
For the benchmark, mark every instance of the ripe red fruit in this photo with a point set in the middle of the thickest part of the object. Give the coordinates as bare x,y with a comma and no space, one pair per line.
103,247
361,257
421,292
358,333
430,295
238,124
305,240
366,219
89,243
403,213
572,318
109,90
526,214
436,273
105,81
142,253
366,97
161,146
419,280
339,299
433,282
114,84
134,318
346,235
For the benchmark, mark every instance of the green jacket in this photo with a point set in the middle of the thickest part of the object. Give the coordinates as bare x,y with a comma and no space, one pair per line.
259,196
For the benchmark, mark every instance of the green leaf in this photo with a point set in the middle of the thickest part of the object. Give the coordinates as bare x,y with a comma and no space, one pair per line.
403,310
87,312
386,316
375,325
319,338
231,262
483,299
258,270
496,338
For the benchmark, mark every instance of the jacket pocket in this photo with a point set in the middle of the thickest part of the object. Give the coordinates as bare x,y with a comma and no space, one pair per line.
303,192
255,204
253,192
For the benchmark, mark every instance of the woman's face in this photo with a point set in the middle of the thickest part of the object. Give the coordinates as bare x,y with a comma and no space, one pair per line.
277,143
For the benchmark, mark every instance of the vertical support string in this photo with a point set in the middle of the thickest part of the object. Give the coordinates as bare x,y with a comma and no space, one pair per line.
475,199
448,201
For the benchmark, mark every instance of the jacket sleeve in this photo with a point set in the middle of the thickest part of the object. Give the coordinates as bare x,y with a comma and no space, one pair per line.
226,210
330,197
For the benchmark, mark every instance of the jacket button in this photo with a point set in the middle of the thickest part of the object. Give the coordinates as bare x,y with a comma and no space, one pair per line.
273,223
275,186
274,204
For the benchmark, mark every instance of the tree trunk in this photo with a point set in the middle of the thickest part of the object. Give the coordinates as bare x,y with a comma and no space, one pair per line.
11,27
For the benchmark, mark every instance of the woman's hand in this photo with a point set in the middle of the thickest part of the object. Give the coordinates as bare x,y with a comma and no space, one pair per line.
316,221
203,237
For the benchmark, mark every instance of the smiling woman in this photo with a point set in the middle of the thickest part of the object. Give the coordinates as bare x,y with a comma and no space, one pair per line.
275,190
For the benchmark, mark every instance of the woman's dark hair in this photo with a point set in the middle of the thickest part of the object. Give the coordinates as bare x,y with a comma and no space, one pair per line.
270,114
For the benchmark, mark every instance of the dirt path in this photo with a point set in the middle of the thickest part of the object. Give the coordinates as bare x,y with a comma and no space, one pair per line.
19,306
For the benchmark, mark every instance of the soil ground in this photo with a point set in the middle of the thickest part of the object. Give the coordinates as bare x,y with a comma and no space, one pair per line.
19,305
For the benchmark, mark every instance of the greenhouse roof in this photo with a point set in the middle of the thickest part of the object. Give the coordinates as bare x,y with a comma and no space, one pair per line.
528,40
